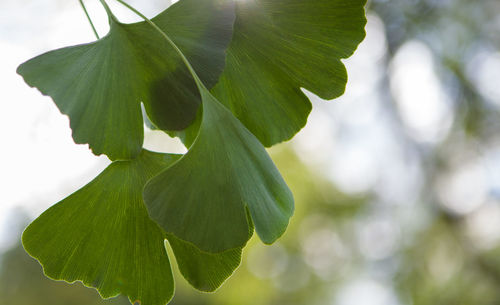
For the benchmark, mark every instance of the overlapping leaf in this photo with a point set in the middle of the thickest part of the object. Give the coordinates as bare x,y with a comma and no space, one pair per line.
279,46
203,198
102,235
100,85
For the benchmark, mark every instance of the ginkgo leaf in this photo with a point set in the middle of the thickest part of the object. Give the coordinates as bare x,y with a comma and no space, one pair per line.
102,235
100,85
203,198
279,46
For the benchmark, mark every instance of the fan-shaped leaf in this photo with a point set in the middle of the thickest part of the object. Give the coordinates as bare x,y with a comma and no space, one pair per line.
280,46
100,85
203,197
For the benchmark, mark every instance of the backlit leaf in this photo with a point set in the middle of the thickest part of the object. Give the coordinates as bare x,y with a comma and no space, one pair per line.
203,198
102,235
280,46
100,85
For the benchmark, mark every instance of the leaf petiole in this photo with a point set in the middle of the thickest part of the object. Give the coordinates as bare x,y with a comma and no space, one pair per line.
89,19
111,16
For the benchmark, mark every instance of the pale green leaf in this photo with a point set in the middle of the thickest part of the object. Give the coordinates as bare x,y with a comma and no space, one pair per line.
102,236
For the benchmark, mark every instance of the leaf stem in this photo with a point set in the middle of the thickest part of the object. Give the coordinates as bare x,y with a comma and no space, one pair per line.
111,16
89,19
197,80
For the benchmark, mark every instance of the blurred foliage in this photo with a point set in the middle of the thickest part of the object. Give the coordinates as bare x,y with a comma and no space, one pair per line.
23,283
440,268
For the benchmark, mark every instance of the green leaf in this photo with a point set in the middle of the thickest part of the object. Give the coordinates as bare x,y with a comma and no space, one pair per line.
204,271
280,46
102,235
203,198
100,85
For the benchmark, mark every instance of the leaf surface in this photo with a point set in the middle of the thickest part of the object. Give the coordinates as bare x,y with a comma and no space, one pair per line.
100,85
102,235
204,271
279,46
203,198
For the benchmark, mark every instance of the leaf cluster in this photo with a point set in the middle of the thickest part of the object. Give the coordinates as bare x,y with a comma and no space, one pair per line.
226,78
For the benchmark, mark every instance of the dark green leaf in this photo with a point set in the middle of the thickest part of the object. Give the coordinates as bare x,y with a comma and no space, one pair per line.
188,135
100,85
280,46
204,271
203,197
102,235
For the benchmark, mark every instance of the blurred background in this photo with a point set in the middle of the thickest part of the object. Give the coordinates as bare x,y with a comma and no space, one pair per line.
397,183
